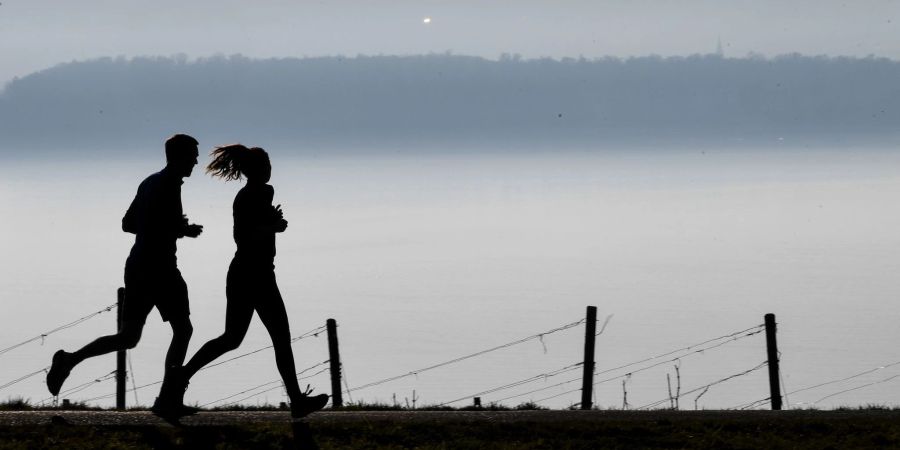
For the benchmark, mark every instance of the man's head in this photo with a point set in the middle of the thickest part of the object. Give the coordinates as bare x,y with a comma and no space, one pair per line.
181,154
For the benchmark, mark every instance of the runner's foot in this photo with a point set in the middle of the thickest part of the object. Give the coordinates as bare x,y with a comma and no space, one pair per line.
59,371
308,405
172,411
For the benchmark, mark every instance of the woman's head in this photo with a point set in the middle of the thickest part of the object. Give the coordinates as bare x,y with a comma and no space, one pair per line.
231,162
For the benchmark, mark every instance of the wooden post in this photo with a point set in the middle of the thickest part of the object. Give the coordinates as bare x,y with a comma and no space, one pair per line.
120,355
590,335
772,350
334,357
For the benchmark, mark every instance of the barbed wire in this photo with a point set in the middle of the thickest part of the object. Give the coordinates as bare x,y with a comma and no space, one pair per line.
133,379
78,388
856,388
542,376
257,394
605,323
71,324
752,404
827,383
102,397
866,372
544,389
346,383
82,387
732,338
781,382
311,333
269,383
24,377
462,358
706,386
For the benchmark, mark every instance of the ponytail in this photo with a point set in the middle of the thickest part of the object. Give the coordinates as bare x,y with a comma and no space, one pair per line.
228,161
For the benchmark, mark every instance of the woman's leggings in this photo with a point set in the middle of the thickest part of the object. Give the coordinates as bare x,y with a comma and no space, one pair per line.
252,288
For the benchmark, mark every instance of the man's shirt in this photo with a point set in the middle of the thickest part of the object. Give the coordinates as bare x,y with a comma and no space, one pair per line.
155,217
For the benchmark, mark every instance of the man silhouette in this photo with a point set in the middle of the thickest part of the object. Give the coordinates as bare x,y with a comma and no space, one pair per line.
152,277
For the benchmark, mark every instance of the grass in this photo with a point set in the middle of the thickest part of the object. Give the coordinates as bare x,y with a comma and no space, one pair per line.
22,404
867,426
875,428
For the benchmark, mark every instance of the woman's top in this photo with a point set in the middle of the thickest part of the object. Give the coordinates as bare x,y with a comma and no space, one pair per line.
255,224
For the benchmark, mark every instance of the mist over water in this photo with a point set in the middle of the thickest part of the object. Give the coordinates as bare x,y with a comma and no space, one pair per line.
423,258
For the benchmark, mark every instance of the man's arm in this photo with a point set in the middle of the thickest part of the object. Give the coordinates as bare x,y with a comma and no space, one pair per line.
190,230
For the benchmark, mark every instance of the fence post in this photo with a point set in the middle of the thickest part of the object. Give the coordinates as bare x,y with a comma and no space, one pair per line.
120,355
772,350
590,335
334,358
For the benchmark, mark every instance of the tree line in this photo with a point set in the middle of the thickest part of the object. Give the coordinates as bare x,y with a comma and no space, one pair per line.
448,98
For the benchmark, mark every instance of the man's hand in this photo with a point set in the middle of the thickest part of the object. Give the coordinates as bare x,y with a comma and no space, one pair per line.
193,230
280,225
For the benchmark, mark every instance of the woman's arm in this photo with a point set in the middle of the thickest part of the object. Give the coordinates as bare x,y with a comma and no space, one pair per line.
272,217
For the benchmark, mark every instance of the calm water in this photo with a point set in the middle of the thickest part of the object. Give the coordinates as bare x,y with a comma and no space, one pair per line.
422,259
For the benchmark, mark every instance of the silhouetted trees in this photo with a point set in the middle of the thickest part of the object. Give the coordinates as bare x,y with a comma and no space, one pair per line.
365,100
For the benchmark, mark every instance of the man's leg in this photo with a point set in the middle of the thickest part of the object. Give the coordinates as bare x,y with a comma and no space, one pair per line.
174,309
64,362
181,337
125,339
172,389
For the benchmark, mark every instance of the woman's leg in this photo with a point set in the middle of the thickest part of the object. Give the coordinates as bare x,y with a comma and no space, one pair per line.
274,317
238,313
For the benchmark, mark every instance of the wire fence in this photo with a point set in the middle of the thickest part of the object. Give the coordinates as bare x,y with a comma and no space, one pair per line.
675,356
760,402
648,363
24,377
624,372
315,332
706,387
416,372
270,383
41,337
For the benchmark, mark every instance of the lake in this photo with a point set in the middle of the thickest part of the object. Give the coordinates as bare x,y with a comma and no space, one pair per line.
425,258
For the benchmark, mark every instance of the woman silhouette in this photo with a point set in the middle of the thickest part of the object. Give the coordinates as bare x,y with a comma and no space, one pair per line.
251,285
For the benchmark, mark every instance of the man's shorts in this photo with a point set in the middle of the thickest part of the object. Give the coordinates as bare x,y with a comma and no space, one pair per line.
160,285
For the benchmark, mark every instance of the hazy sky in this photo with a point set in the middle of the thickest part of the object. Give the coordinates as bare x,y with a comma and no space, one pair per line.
36,34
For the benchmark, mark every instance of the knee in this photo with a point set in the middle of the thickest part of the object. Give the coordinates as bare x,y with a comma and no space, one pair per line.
183,330
187,331
231,341
130,338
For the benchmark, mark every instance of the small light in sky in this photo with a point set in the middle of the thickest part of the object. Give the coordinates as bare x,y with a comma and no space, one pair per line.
426,20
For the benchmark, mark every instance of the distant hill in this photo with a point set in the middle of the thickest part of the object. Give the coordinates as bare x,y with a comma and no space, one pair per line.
361,101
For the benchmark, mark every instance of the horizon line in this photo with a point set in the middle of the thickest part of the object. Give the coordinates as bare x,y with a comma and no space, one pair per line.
502,57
